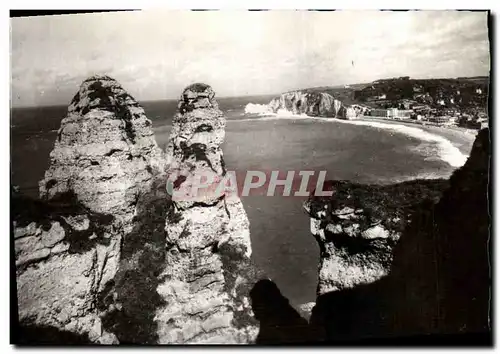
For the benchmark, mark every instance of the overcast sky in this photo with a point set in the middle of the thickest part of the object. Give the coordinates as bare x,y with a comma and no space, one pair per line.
155,54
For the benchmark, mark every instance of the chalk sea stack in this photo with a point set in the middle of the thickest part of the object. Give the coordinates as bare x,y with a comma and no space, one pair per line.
105,151
68,244
206,281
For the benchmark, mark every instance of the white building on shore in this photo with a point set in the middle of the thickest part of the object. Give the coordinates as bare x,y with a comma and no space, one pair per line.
393,113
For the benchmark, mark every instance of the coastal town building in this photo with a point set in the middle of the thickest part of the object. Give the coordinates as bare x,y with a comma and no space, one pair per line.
379,113
394,113
404,113
442,120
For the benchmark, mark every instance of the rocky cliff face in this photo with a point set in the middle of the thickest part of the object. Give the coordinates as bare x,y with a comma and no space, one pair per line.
65,254
110,254
444,258
205,282
400,260
68,245
359,225
105,151
314,104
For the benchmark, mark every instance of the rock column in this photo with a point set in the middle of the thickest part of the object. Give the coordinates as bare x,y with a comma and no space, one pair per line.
68,244
206,282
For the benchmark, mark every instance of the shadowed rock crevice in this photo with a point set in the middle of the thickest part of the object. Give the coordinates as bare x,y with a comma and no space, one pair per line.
65,210
30,335
60,266
437,282
279,322
132,302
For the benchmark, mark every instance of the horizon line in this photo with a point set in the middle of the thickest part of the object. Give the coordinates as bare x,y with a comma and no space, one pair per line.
271,94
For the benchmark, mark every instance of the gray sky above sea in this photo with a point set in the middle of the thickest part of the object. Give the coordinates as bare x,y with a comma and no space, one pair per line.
154,54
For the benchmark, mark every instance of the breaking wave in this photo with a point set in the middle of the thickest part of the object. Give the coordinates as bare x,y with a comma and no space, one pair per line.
263,110
258,109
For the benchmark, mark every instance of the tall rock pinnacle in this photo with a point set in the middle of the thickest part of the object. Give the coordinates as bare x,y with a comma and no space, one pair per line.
205,281
68,245
105,152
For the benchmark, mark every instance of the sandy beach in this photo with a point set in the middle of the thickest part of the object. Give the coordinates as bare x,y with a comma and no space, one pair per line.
462,138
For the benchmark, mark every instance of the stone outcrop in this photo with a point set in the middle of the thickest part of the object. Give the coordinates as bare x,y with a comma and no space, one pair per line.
205,283
105,151
359,225
434,280
65,254
314,104
68,245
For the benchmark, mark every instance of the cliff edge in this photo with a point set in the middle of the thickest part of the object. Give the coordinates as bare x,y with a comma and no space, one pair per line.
407,259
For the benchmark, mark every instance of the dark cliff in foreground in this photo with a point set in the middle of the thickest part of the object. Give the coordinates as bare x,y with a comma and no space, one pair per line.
434,280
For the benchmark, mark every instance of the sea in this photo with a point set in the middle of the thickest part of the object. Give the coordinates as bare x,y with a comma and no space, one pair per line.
283,247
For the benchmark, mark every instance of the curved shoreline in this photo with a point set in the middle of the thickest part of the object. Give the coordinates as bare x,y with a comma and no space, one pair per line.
447,151
455,143
462,138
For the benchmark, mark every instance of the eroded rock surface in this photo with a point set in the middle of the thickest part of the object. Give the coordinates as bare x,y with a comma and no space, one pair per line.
65,254
205,282
105,151
68,245
359,225
314,104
